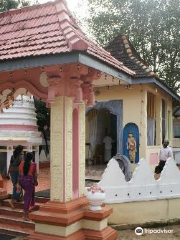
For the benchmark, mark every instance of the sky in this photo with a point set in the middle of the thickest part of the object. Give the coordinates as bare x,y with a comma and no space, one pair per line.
72,4
79,9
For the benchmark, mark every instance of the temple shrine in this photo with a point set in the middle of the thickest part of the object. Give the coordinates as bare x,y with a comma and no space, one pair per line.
145,109
43,50
18,126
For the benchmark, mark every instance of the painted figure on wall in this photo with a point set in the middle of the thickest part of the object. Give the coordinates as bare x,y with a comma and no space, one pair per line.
131,147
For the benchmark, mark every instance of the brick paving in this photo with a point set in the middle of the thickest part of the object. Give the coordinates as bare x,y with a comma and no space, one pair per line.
92,172
43,181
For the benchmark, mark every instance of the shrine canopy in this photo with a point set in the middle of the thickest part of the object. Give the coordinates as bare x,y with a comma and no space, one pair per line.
44,41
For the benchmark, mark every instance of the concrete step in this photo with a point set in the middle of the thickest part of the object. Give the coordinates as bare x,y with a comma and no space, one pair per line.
6,203
19,205
11,212
37,199
15,230
16,221
41,200
11,221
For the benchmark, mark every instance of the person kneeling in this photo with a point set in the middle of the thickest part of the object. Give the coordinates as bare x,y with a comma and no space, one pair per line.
165,153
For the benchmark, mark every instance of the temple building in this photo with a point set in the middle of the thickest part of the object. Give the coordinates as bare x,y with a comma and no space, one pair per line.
139,114
43,50
18,126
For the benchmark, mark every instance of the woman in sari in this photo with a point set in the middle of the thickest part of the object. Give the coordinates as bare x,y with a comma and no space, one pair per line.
16,159
28,181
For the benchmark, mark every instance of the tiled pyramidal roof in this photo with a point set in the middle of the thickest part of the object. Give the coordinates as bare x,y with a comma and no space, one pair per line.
122,49
47,29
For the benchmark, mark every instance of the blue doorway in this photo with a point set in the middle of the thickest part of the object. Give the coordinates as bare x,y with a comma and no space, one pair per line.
131,127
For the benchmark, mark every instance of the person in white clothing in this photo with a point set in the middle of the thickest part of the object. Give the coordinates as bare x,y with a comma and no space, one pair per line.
108,147
164,154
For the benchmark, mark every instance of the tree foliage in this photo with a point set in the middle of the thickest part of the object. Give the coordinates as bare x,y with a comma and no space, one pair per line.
43,114
153,26
6,5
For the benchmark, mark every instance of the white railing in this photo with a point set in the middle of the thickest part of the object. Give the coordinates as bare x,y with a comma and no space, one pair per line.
142,186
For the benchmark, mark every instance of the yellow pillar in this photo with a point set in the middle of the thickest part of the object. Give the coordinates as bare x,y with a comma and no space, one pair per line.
81,149
143,124
61,149
65,216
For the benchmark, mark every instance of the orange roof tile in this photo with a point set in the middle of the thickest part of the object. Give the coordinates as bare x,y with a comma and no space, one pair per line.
47,29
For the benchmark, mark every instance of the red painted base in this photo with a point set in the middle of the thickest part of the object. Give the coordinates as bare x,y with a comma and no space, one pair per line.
106,234
79,235
65,214
1,181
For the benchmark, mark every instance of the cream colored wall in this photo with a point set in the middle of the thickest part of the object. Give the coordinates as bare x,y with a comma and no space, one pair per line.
135,110
159,94
176,143
134,100
144,211
152,149
65,231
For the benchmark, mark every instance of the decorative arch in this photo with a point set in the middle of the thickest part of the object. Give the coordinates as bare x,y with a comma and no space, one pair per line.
131,127
115,107
23,84
10,90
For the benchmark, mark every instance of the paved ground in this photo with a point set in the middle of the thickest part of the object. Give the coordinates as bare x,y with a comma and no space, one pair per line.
130,234
44,184
8,237
44,178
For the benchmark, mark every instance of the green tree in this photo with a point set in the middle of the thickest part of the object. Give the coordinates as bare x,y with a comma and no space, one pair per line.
5,5
153,26
43,114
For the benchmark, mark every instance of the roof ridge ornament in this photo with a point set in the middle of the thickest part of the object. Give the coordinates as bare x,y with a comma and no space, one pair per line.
66,22
130,53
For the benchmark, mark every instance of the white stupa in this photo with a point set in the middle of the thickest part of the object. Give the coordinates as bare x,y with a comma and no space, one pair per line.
18,126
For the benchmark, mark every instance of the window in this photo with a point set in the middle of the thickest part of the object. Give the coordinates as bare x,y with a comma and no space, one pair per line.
176,128
150,105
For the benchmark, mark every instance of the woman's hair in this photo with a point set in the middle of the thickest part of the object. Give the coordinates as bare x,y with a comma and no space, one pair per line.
27,163
17,151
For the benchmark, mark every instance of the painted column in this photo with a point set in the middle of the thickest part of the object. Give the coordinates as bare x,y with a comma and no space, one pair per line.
76,151
37,158
61,149
81,149
9,154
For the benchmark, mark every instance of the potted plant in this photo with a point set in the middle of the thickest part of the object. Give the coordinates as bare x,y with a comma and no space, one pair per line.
95,196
